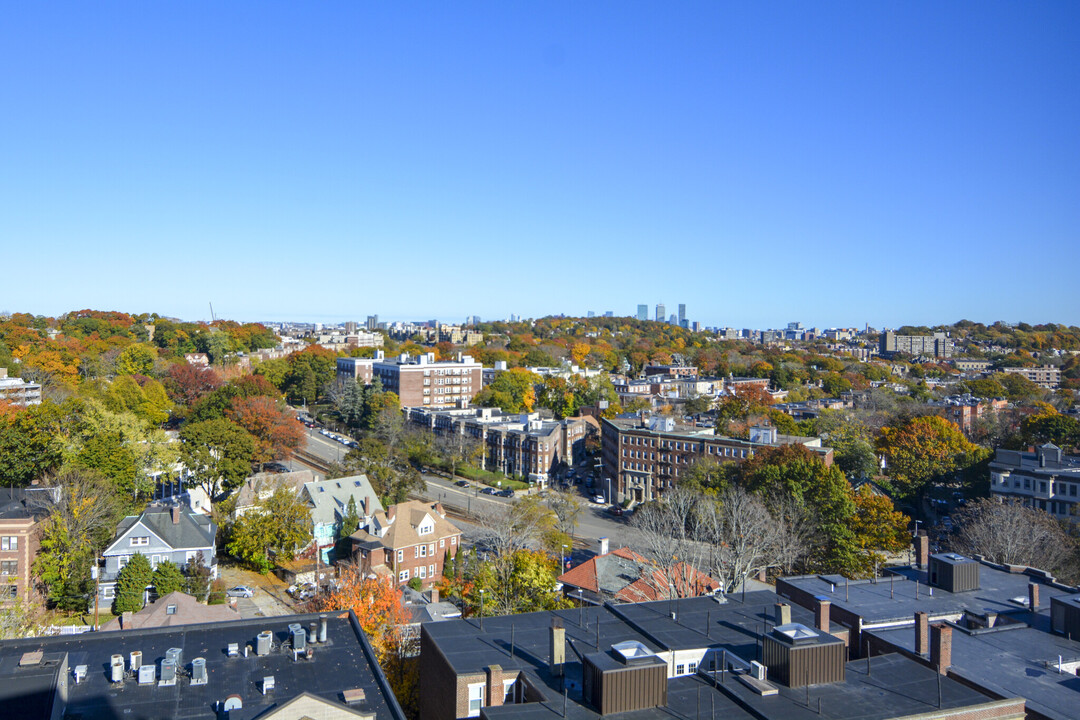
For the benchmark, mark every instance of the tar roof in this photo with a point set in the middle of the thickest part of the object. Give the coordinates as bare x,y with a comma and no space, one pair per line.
898,596
345,662
1011,660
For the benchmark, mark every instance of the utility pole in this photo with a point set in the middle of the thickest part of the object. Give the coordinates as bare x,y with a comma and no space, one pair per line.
97,593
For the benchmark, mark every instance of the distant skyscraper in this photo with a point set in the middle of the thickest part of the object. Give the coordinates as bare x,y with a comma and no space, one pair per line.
609,313
674,319
642,312
682,314
372,322
591,314
350,327
661,311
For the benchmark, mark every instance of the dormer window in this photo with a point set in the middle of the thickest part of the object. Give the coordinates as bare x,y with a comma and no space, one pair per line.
425,529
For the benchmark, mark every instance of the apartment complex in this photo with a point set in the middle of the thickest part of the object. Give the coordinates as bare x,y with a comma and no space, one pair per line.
644,456
408,541
419,381
1044,479
1046,376
741,656
18,391
938,345
20,511
522,444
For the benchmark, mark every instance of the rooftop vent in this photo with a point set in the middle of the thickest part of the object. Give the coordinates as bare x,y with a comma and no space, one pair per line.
354,696
630,651
31,658
796,633
198,671
953,572
80,673
170,609
233,702
797,655
233,650
147,675
267,684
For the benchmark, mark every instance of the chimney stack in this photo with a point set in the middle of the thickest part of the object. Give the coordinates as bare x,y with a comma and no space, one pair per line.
367,504
176,515
603,549
922,632
557,656
782,614
821,615
922,550
941,647
390,511
125,621
434,593
494,689
1033,596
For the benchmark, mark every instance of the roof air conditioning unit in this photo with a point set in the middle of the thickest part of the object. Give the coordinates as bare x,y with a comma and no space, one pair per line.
198,671
147,674
116,668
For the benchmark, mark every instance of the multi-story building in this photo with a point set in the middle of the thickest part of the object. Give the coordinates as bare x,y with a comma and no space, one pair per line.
682,315
329,502
408,541
1044,479
660,311
1046,376
971,365
423,382
20,511
644,457
964,410
356,369
160,533
514,444
744,656
938,345
673,370
642,312
17,391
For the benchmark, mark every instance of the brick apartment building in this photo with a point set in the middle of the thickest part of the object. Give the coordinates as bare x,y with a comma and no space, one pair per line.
419,381
643,457
938,345
1046,376
20,511
410,540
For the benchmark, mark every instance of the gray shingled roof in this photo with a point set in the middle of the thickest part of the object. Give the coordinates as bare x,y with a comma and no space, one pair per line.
193,531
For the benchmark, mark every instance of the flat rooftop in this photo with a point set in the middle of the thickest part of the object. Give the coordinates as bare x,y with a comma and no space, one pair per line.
344,662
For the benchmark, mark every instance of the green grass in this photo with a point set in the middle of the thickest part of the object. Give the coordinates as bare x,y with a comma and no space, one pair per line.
490,478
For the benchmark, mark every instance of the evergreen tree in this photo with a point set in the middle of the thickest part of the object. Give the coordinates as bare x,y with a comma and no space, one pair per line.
168,578
351,522
131,585
197,577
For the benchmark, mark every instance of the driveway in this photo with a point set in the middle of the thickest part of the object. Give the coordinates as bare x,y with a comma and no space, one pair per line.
270,598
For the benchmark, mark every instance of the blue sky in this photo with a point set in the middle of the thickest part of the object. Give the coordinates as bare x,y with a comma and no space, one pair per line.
834,163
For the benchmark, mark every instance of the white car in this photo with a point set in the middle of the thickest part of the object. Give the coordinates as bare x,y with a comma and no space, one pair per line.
599,499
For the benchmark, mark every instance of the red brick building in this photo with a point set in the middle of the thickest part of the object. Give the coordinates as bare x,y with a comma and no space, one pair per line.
409,540
20,510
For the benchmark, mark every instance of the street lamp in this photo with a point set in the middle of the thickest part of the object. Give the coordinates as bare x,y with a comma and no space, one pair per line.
564,559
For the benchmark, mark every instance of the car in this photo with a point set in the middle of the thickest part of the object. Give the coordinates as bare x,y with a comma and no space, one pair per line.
462,483
506,493
599,499
489,491
240,591
615,510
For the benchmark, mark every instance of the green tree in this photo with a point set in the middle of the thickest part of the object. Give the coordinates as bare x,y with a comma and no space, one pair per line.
30,443
137,359
281,525
351,522
218,452
923,449
168,578
523,581
131,585
1050,426
197,577
512,391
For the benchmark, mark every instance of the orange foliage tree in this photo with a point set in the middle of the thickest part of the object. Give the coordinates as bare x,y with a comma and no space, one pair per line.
276,431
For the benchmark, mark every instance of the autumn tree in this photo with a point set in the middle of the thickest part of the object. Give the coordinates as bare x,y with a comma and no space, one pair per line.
275,430
512,391
219,454
279,525
137,359
878,528
523,581
1050,426
187,384
923,449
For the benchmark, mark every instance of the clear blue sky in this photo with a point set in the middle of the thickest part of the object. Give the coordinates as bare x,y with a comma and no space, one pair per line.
834,163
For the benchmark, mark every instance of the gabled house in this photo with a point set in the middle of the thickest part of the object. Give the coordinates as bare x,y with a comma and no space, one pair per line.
329,500
176,608
623,575
160,533
410,540
259,487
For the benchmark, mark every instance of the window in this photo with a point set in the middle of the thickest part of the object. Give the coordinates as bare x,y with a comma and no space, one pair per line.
144,540
400,555
1072,490
442,541
123,560
170,609
108,592
476,699
9,567
1042,486
403,576
423,551
416,551
692,667
421,572
680,669
453,540
431,570
9,542
12,591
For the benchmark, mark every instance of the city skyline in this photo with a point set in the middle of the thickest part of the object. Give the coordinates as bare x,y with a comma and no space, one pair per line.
846,164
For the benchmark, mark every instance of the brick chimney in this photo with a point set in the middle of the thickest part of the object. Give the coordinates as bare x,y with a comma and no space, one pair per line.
821,615
434,594
941,647
176,515
557,654
922,550
440,509
494,689
125,621
782,614
1033,596
390,512
367,504
922,632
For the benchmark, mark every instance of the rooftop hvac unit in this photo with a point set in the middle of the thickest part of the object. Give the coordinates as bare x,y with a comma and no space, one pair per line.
147,675
234,649
198,671
176,655
262,642
233,702
80,673
299,638
168,673
313,632
293,627
116,668
136,661
268,684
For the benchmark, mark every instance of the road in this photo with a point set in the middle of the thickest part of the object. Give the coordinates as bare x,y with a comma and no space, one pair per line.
594,523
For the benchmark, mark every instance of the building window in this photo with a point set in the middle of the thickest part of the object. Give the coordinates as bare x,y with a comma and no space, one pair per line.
108,592
421,572
403,576
423,551
431,570
442,541
680,669
692,667
144,540
9,542
453,540
12,591
400,555
9,567
476,699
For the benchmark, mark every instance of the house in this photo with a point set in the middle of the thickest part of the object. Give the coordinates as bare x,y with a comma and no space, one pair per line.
264,668
623,575
259,487
200,359
745,657
20,511
329,501
18,391
160,533
410,540
176,608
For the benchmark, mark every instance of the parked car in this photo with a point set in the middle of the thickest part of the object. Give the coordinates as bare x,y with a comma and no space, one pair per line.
240,591
489,491
506,493
599,499
462,483
615,510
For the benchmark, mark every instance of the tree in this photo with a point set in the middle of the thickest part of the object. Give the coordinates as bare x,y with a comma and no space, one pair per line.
276,431
20,619
567,508
1050,426
137,359
668,537
1008,532
30,444
706,475
523,581
218,452
351,522
280,525
187,384
197,577
131,585
739,534
922,449
377,605
878,527
512,391
79,524
849,438
167,578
